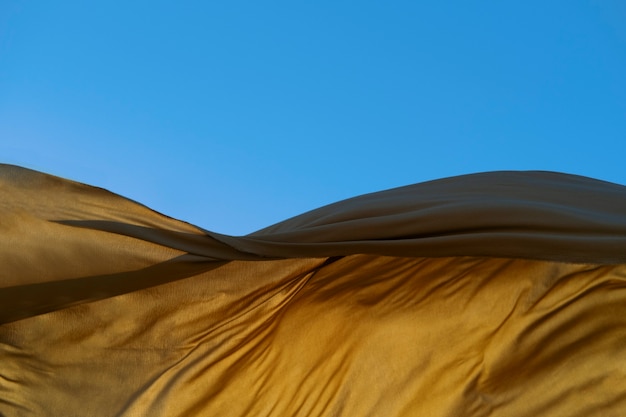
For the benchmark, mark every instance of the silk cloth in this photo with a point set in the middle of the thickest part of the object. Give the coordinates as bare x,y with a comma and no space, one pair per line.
495,294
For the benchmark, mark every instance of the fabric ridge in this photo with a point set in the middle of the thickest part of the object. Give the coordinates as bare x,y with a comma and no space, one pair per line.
492,294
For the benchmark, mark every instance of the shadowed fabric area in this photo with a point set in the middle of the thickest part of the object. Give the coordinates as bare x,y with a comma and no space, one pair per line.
494,294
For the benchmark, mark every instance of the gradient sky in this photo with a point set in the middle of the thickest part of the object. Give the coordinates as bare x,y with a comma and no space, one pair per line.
234,115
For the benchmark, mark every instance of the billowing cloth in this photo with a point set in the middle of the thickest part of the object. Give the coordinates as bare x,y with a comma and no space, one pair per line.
495,294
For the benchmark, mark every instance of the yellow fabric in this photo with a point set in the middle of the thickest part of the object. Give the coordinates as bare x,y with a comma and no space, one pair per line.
111,309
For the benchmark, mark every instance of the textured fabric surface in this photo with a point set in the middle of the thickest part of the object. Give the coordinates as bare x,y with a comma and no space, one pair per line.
497,294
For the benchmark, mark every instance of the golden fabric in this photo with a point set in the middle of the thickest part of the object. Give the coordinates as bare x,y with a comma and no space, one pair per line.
499,294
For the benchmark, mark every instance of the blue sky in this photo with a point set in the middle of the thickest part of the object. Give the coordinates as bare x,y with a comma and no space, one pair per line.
234,115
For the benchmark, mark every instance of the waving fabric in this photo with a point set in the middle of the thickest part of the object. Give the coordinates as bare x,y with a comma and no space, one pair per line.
495,294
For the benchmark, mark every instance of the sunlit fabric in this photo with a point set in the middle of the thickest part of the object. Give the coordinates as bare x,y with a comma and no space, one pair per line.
496,294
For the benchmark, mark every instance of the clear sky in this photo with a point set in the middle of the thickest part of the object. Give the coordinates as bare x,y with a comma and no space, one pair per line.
234,115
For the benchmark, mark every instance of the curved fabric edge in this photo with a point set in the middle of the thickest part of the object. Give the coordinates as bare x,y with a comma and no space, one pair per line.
508,214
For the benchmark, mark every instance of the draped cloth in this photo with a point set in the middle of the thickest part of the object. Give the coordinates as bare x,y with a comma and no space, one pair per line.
494,294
